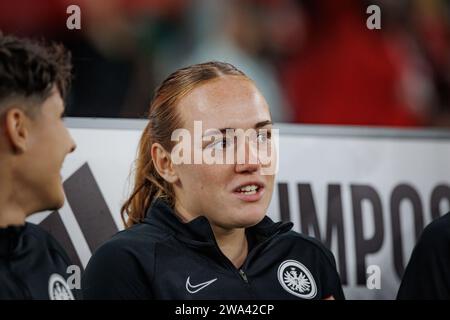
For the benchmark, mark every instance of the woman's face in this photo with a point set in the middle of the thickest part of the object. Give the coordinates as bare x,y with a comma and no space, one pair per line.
215,190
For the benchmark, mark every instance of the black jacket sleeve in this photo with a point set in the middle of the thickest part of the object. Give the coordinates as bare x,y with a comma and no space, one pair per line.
331,281
114,273
427,275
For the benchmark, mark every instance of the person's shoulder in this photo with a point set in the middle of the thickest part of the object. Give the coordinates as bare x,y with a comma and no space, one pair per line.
425,276
40,235
441,225
141,232
437,232
305,240
36,232
123,264
140,237
309,243
130,251
40,238
434,240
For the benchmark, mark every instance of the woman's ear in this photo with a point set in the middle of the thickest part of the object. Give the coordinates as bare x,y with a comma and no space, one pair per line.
163,163
16,129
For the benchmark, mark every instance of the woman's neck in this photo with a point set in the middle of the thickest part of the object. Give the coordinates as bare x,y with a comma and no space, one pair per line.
233,244
11,214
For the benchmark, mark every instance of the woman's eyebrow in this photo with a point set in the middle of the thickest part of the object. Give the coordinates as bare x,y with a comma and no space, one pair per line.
263,124
257,125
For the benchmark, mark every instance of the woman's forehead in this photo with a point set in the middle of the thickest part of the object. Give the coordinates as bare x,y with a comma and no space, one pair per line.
227,102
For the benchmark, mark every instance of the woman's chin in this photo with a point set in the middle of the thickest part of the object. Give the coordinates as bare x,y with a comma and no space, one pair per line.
249,219
56,199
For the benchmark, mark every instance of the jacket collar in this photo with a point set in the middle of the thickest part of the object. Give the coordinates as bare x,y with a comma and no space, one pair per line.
198,231
10,238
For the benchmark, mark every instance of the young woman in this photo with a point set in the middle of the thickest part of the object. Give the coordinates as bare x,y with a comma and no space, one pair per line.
33,145
199,230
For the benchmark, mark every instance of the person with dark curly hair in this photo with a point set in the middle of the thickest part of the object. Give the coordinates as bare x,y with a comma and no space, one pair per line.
34,78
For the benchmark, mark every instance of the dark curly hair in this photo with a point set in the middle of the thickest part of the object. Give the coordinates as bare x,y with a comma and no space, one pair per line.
30,69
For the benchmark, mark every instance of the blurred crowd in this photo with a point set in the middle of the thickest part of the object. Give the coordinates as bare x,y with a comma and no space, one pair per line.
315,61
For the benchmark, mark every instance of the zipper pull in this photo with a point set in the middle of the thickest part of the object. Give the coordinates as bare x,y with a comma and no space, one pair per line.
243,275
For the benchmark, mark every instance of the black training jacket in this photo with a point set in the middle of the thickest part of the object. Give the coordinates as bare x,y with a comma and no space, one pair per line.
32,265
427,276
163,258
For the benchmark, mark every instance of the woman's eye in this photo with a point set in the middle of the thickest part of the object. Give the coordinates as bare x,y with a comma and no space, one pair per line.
263,137
220,144
223,143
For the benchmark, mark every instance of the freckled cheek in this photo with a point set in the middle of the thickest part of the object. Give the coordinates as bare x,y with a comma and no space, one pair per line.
213,177
270,182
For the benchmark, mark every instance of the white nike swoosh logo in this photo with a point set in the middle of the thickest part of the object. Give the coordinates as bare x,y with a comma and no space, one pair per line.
196,288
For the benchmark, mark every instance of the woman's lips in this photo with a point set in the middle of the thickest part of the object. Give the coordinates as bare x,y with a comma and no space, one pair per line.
250,197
